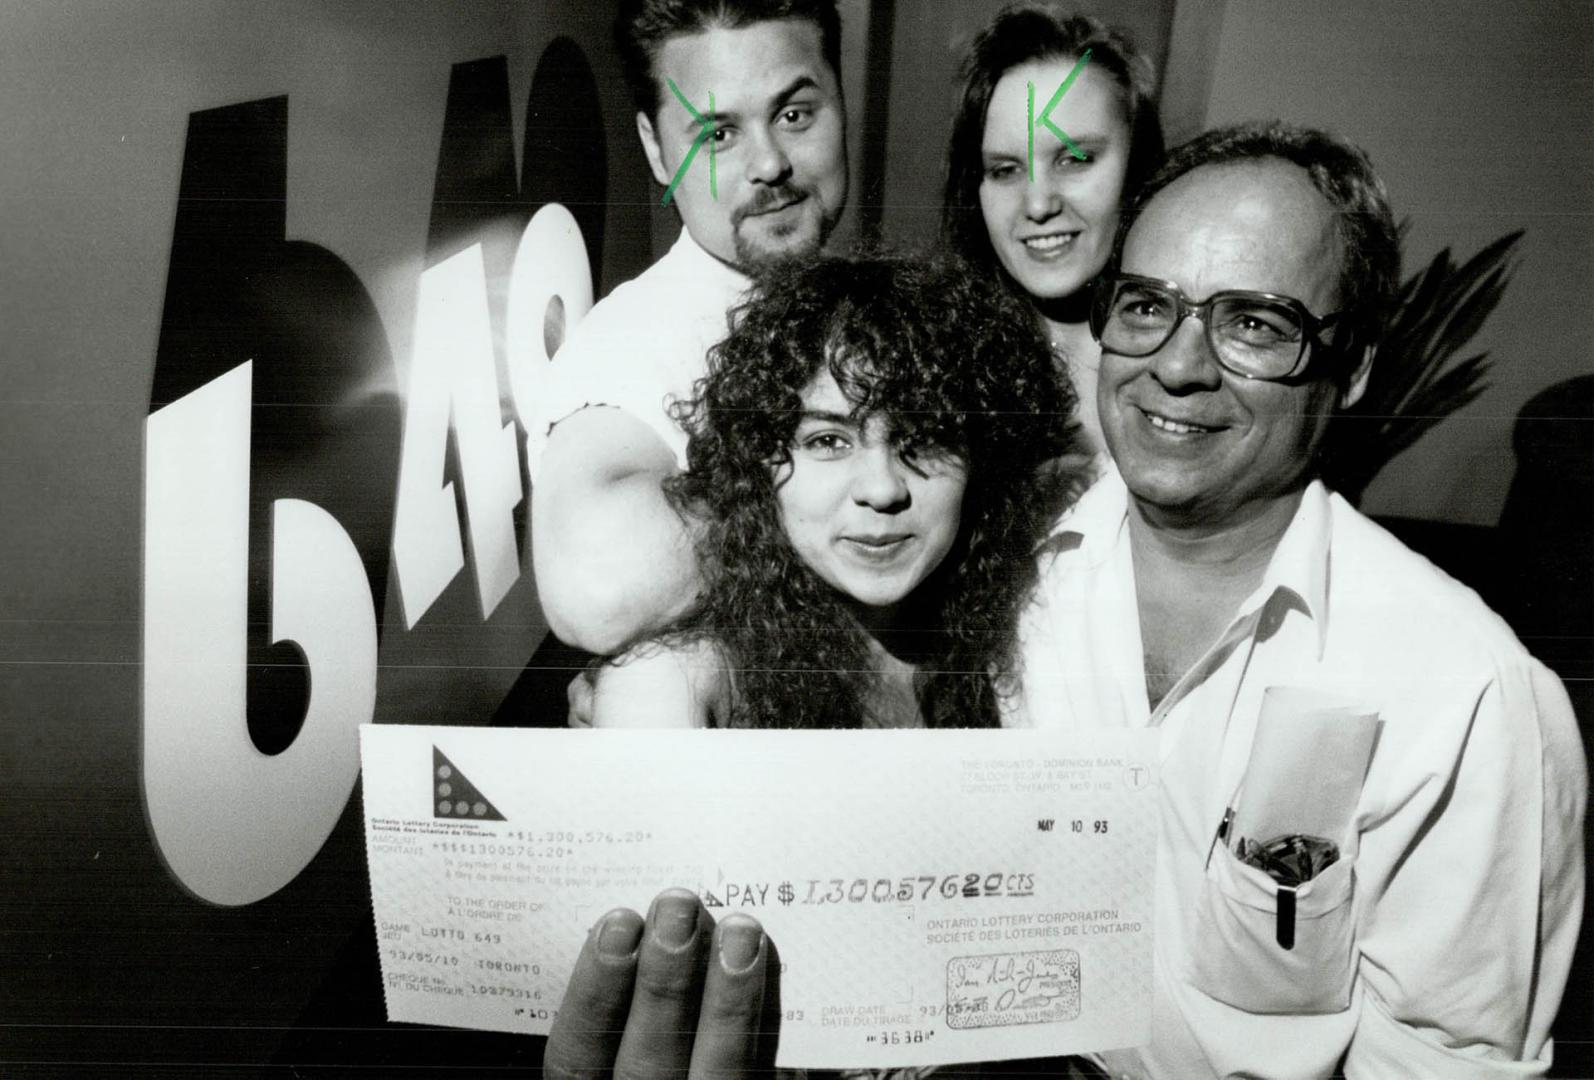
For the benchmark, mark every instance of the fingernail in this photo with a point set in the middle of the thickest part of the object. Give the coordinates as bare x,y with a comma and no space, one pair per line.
619,934
674,919
741,941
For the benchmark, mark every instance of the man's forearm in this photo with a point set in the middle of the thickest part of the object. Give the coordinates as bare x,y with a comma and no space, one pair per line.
614,560
617,569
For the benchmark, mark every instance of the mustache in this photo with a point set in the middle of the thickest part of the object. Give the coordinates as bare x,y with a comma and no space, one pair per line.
768,198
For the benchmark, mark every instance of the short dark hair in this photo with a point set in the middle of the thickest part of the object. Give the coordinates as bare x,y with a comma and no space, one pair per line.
1369,274
641,27
1018,35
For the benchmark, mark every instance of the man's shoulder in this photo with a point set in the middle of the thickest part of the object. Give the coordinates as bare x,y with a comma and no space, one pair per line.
630,307
1375,577
681,297
1428,639
641,347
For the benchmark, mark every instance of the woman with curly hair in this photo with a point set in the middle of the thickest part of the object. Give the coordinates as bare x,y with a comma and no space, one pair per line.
1020,203
870,467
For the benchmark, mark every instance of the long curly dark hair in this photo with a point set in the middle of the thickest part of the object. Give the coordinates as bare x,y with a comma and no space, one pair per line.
951,363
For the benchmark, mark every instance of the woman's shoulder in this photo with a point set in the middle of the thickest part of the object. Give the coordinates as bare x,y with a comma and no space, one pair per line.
662,685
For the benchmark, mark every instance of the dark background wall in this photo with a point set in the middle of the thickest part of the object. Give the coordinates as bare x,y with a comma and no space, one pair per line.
1479,116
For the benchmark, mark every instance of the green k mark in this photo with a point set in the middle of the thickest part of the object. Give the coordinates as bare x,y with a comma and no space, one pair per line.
1046,116
706,133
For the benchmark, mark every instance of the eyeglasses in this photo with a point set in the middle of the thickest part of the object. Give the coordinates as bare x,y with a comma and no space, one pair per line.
1255,335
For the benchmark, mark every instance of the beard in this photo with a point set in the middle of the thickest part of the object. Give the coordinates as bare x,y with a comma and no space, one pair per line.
800,235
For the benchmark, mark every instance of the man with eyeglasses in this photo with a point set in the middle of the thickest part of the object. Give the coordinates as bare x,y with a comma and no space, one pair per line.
1211,566
1241,312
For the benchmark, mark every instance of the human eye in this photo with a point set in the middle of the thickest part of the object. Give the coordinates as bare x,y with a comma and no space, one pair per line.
1258,324
1068,159
927,445
824,445
1140,306
796,117
929,460
723,136
1002,171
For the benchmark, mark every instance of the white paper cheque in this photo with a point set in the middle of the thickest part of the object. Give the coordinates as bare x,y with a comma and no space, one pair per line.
936,896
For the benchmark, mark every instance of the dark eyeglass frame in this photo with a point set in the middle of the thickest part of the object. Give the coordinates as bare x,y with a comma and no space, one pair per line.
1108,288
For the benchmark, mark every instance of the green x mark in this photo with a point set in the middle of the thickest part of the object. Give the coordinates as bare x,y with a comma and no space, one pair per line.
706,133
1046,116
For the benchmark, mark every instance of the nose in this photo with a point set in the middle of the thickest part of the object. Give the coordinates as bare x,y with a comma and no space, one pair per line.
1185,362
767,161
879,480
1042,198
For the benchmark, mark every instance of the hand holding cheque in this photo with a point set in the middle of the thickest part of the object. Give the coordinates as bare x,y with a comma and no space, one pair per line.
677,994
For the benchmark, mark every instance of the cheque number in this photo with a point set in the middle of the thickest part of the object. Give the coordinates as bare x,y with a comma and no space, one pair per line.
898,1038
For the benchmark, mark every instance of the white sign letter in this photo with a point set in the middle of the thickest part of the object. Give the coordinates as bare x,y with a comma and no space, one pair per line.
232,824
453,373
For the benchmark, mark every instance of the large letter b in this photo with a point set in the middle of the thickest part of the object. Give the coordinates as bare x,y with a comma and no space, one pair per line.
272,386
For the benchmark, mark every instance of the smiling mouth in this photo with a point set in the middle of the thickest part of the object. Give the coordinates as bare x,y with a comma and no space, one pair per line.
1176,427
1053,242
878,548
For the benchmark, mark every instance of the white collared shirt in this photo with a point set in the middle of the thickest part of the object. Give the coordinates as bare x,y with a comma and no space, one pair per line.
1446,951
642,347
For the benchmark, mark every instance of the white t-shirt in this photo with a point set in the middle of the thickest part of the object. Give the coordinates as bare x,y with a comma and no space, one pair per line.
1442,949
642,346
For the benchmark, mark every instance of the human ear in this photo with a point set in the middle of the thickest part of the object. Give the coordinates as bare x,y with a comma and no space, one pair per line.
650,147
1356,384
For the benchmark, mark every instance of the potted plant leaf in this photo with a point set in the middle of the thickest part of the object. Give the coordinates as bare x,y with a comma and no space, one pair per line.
1417,379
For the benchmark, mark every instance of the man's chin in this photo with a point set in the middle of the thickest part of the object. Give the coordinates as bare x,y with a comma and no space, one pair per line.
759,244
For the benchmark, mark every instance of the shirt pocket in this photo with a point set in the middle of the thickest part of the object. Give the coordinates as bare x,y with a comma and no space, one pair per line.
1234,952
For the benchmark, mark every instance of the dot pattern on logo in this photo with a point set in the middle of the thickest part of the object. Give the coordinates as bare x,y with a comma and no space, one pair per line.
456,796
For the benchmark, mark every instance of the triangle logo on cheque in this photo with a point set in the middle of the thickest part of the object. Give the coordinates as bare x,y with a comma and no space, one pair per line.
455,797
